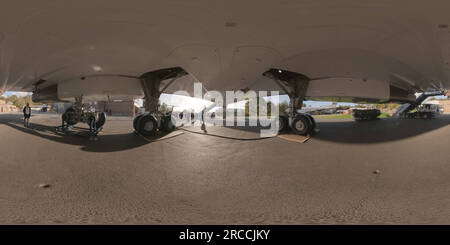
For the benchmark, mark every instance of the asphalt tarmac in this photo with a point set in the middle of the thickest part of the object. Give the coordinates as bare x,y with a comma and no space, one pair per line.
389,171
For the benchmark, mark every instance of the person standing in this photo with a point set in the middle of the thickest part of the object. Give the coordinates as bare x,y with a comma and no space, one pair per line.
27,115
203,120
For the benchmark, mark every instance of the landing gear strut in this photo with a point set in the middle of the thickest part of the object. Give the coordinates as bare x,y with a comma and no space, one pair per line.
295,86
80,112
150,122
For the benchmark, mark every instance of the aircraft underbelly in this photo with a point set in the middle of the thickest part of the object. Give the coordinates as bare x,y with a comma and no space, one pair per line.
100,89
62,41
371,89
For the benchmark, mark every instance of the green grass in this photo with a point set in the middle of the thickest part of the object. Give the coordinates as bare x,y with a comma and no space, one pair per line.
384,115
334,116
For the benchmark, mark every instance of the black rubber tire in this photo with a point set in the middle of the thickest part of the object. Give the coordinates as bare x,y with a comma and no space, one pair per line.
167,125
301,125
69,120
147,125
429,115
135,121
100,120
312,121
284,123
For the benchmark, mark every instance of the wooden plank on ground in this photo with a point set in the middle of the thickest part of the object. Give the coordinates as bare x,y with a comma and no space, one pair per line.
294,137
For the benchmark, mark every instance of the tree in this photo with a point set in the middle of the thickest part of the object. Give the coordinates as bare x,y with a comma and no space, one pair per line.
247,104
343,107
394,106
163,108
283,107
18,102
269,109
11,98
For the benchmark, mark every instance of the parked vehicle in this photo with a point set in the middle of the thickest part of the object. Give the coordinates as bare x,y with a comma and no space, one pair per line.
365,114
426,111
44,108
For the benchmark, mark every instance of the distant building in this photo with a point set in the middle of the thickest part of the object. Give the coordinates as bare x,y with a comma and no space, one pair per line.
7,107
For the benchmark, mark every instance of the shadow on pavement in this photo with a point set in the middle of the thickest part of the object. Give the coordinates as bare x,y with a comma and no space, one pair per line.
382,130
334,130
105,143
377,131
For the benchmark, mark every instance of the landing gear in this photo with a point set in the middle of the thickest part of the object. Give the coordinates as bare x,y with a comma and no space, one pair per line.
301,124
82,113
148,124
283,123
69,118
294,85
96,121
285,126
311,121
167,124
135,122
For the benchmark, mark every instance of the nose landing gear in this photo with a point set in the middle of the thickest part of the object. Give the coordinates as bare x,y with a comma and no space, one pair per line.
81,113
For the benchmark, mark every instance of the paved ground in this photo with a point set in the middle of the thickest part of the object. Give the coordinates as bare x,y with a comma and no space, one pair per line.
198,179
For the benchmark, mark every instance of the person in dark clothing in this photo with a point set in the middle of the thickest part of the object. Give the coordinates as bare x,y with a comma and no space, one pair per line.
203,120
26,115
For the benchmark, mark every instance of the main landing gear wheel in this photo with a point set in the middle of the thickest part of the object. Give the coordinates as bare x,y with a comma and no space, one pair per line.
301,125
135,122
283,124
97,121
70,116
312,121
147,125
101,119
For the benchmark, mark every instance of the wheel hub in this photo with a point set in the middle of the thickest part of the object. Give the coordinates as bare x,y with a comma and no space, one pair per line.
148,126
299,125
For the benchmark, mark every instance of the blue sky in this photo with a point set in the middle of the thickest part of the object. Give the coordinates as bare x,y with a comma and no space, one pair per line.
9,93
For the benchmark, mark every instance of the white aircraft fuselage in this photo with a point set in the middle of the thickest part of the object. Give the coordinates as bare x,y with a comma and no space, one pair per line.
99,48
